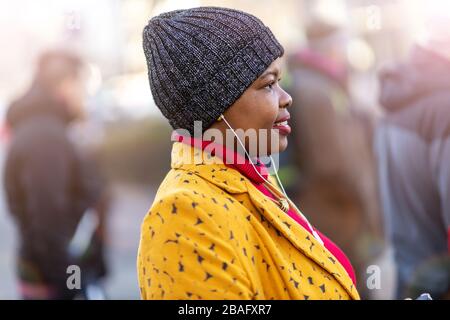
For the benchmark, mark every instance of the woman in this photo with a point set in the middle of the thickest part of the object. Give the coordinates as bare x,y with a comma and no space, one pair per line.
220,227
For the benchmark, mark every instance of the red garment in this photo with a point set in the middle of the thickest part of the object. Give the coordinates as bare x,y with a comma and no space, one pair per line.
448,239
245,167
331,69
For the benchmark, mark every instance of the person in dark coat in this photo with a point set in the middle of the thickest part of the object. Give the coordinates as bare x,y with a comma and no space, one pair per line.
413,150
331,150
49,183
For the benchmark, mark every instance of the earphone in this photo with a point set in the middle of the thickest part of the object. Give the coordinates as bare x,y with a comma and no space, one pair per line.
250,159
314,233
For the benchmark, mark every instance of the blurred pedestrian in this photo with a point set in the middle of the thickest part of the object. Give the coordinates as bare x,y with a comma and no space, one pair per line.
50,184
331,153
413,149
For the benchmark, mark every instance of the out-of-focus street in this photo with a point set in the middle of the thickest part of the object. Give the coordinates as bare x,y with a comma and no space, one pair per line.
91,92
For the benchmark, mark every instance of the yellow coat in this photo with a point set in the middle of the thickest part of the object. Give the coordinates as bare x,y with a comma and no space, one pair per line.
210,234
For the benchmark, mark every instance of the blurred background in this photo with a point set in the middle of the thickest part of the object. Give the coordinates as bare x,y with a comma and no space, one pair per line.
132,139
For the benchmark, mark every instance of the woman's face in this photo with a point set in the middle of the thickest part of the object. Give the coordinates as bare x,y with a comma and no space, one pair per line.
262,108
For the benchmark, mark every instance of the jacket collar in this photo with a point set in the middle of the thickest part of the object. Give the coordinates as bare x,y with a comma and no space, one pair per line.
300,238
212,169
255,173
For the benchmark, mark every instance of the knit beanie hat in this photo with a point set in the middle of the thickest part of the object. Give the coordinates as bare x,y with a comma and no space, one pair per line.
201,60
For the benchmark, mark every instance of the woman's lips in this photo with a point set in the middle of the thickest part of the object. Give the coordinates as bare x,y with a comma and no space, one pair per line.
283,127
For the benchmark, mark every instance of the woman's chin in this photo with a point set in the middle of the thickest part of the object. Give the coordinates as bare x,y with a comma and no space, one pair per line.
283,144
280,146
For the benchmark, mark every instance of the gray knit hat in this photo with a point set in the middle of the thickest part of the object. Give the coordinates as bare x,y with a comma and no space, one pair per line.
201,60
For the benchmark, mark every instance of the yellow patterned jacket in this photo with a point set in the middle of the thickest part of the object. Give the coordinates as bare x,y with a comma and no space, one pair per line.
211,234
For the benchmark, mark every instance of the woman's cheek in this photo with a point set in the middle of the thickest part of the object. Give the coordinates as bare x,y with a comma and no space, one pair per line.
263,113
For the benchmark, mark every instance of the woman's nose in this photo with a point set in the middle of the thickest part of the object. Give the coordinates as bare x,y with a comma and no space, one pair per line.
286,100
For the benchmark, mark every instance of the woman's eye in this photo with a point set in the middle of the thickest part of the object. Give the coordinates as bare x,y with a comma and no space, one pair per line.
270,85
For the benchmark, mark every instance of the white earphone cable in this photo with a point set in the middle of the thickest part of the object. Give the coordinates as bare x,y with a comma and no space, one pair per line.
315,234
